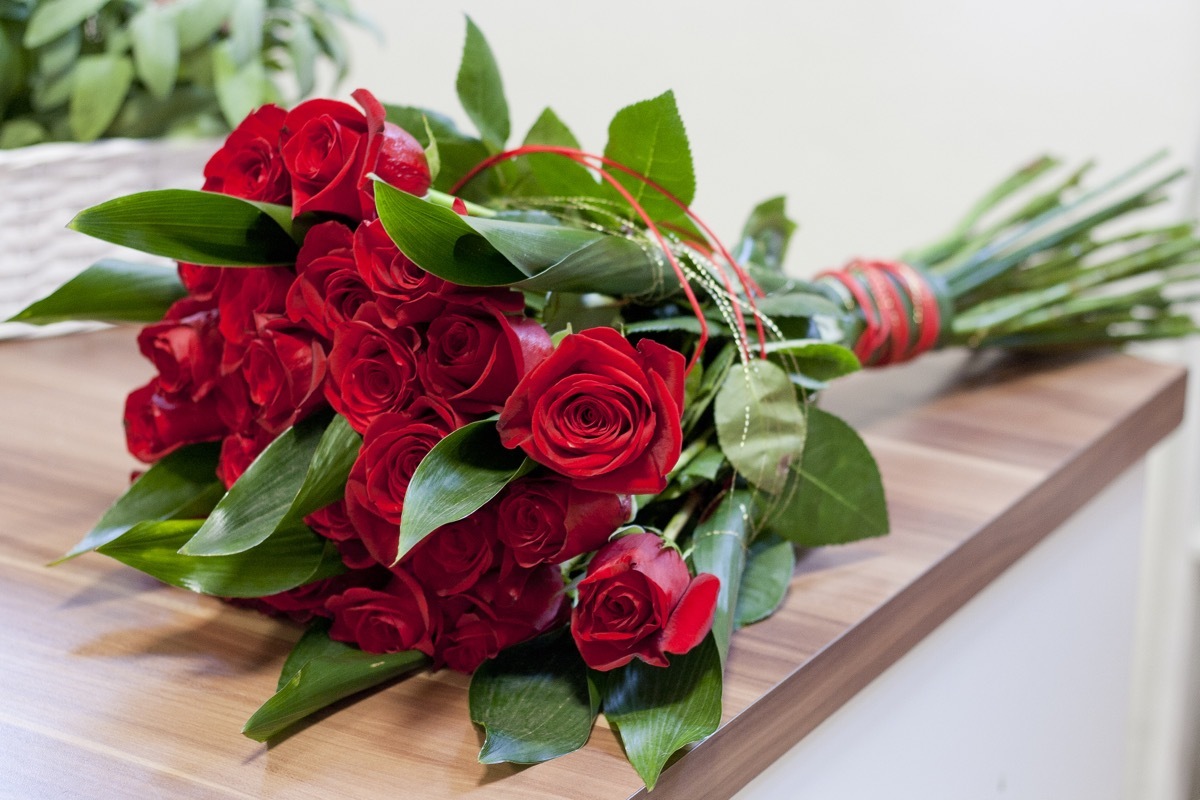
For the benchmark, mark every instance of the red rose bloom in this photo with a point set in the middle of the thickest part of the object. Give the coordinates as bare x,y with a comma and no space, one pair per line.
333,522
328,289
372,368
201,282
284,368
185,348
324,147
249,164
248,299
638,600
549,520
392,154
306,602
601,412
390,620
453,558
158,422
400,286
238,452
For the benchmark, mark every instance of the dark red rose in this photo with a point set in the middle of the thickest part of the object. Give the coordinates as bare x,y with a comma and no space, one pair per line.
200,282
601,412
549,519
333,522
304,603
284,369
372,368
157,422
324,149
248,299
238,451
453,558
249,164
328,289
185,348
390,620
392,276
392,154
638,600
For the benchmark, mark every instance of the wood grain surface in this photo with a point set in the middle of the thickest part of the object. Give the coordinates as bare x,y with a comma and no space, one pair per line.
117,686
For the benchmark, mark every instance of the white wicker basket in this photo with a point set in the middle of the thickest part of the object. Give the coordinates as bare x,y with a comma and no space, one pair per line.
44,186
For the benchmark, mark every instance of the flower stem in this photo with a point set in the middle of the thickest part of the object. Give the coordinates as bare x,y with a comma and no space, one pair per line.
677,523
448,200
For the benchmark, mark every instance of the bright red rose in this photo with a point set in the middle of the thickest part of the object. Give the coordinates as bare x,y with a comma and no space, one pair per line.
549,519
328,289
390,620
372,368
638,600
392,154
333,522
238,451
324,148
185,348
249,164
601,412
306,602
476,354
284,369
392,276
454,557
248,299
157,422
201,282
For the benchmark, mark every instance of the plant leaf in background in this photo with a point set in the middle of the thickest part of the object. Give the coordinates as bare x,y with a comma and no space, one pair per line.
535,701
52,18
109,291
97,92
649,138
303,47
246,24
198,21
481,91
239,86
320,672
302,470
759,423
770,563
766,235
658,710
197,227
552,175
155,49
182,484
819,360
290,558
457,477
838,492
719,547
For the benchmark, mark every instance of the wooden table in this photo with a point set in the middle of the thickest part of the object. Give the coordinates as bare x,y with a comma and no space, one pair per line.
114,685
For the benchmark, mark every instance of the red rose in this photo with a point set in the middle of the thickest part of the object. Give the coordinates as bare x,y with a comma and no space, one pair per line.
638,600
549,520
392,154
185,348
284,368
249,164
372,368
305,602
201,282
158,422
390,620
328,289
333,522
454,557
476,354
324,148
247,299
238,451
392,276
601,412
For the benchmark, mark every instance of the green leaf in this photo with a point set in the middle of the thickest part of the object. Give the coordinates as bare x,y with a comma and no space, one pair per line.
770,563
658,710
315,643
555,175
155,49
181,485
97,92
288,559
302,470
109,291
337,672
799,302
53,18
457,152
838,496
198,21
535,701
815,359
766,235
759,423
197,227
303,49
57,56
21,133
719,547
481,91
246,30
456,478
432,157
239,86
649,138
472,251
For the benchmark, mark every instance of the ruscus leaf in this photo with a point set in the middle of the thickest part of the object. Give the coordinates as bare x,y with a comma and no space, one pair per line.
109,291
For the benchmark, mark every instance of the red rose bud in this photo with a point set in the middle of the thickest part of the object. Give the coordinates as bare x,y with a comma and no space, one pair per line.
477,354
328,289
185,348
333,522
157,422
390,620
324,148
601,412
454,557
392,154
284,369
639,601
372,368
238,451
249,164
549,520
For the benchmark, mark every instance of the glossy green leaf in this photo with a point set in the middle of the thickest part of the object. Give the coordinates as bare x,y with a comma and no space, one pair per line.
838,495
155,49
534,701
770,563
181,485
759,423
821,361
649,138
330,672
109,291
239,86
286,560
456,478
719,547
302,470
197,227
481,91
554,175
52,18
659,710
98,89
766,235
315,643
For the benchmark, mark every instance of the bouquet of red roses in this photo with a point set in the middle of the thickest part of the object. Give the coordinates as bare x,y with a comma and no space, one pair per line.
519,412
